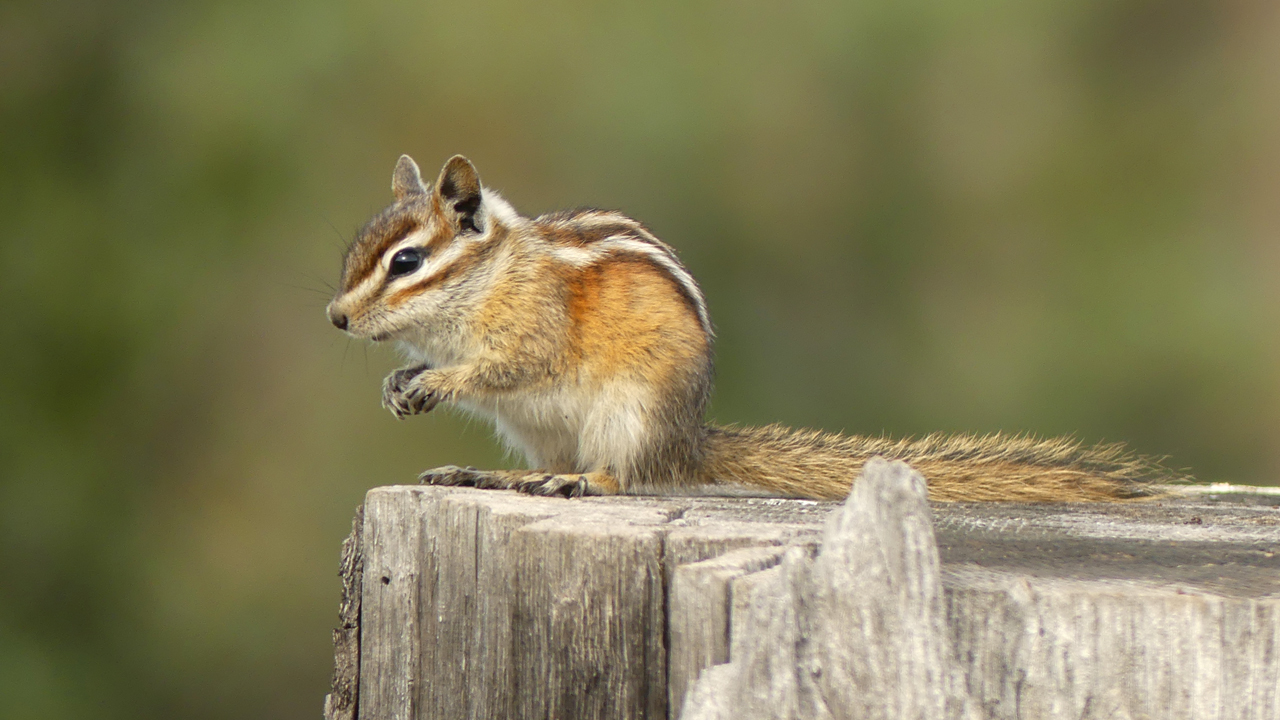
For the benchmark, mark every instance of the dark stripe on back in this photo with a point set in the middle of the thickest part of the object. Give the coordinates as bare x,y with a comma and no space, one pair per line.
584,235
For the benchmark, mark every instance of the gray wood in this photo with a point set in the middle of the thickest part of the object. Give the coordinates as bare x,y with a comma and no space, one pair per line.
1166,610
699,610
1052,648
592,594
519,607
389,644
496,604
340,704
855,630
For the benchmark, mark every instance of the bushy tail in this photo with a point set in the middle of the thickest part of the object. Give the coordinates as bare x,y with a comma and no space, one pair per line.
959,468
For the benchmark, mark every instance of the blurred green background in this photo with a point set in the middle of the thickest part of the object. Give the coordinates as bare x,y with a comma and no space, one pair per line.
1058,217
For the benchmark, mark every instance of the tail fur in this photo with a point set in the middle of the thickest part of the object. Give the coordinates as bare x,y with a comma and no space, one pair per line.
958,468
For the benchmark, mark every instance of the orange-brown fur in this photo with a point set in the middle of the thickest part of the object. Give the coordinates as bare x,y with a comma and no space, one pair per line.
619,310
587,343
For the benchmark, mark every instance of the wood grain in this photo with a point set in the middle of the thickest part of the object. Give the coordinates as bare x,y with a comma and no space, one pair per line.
491,604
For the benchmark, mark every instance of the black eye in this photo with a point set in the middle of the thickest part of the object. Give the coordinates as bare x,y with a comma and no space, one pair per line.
406,261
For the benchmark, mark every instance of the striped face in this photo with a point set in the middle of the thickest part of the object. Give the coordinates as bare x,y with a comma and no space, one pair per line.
412,263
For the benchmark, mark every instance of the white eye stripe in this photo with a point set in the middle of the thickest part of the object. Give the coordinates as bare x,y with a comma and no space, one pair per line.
432,260
413,239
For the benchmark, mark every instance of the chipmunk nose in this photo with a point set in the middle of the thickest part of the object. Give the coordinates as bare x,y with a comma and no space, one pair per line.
338,319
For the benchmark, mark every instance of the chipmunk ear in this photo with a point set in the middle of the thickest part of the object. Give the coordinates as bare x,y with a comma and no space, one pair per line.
459,191
406,180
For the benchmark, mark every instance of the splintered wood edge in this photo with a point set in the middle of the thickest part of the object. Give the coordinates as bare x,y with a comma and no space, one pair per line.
342,701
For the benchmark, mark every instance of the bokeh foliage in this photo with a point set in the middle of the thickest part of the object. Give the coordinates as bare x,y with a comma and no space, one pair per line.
1057,217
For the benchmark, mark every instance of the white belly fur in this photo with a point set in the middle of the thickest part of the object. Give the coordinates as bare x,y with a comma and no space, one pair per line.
572,430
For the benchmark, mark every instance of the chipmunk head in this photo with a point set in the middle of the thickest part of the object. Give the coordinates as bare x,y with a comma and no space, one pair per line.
416,265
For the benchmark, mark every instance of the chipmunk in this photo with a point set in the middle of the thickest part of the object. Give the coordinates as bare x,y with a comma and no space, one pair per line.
588,344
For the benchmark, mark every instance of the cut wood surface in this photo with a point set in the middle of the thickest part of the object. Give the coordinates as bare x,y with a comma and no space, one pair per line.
490,604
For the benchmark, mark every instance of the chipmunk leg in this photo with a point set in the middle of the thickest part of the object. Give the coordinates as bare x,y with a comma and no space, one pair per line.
526,481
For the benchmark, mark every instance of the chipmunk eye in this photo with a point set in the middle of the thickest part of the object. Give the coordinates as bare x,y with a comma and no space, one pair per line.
406,261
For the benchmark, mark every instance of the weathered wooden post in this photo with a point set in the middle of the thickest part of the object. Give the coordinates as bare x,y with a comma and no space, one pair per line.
464,603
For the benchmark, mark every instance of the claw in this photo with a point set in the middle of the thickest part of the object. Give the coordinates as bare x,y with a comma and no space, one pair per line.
419,404
452,475
543,484
402,397
568,486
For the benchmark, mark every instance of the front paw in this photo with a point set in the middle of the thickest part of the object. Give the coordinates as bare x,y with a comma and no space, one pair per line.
406,392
